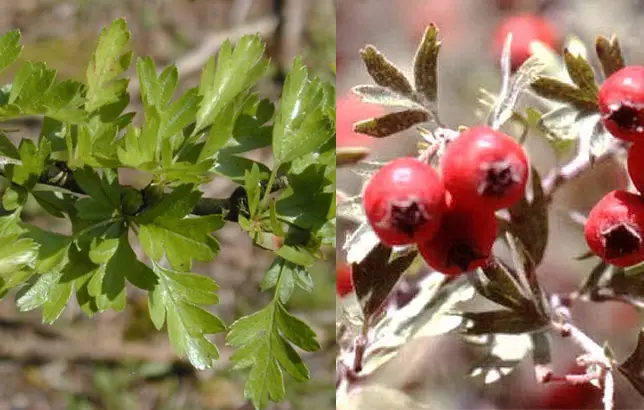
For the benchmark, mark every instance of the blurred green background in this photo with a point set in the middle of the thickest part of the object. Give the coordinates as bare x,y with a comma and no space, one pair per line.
117,361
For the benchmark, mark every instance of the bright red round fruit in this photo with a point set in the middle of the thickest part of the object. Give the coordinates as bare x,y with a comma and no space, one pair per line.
464,241
621,102
343,280
485,169
404,201
525,29
615,228
635,164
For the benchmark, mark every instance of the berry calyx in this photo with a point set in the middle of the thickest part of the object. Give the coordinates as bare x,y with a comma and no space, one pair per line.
464,241
484,168
615,228
621,103
404,201
635,165
525,29
343,280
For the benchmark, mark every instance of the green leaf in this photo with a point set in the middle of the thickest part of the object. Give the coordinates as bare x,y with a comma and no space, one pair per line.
46,291
108,62
175,298
262,344
10,48
166,229
238,69
31,84
581,73
16,254
301,125
252,184
563,92
104,195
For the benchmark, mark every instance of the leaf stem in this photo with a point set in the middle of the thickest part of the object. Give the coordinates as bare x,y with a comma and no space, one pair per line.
269,187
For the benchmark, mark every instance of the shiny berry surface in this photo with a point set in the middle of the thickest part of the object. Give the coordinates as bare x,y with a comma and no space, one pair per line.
404,201
464,241
485,169
615,227
621,103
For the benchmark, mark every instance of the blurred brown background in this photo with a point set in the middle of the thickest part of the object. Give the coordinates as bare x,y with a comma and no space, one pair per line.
434,370
117,361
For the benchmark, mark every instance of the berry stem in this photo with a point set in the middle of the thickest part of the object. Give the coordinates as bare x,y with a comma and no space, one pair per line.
582,162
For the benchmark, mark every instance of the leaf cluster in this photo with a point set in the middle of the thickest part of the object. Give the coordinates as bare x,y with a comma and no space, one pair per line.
185,138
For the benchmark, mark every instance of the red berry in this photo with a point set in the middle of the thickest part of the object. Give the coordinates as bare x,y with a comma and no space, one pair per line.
621,102
343,280
464,241
404,201
349,110
636,165
525,29
486,169
615,227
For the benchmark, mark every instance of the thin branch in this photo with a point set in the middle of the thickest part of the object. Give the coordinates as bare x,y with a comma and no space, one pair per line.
559,176
58,175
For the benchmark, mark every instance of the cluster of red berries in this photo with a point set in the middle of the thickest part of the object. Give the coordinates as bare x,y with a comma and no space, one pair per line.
450,216
615,227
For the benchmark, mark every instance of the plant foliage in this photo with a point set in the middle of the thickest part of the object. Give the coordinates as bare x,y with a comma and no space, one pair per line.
185,139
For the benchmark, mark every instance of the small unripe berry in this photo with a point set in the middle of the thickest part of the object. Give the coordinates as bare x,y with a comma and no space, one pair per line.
621,102
464,241
615,228
635,164
525,29
343,280
404,201
485,169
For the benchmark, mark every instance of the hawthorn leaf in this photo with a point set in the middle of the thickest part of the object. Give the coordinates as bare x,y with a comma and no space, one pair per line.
529,219
110,60
301,125
261,342
238,68
391,123
557,90
166,229
16,254
10,48
610,55
384,72
376,94
500,322
426,64
30,85
175,299
581,73
375,276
